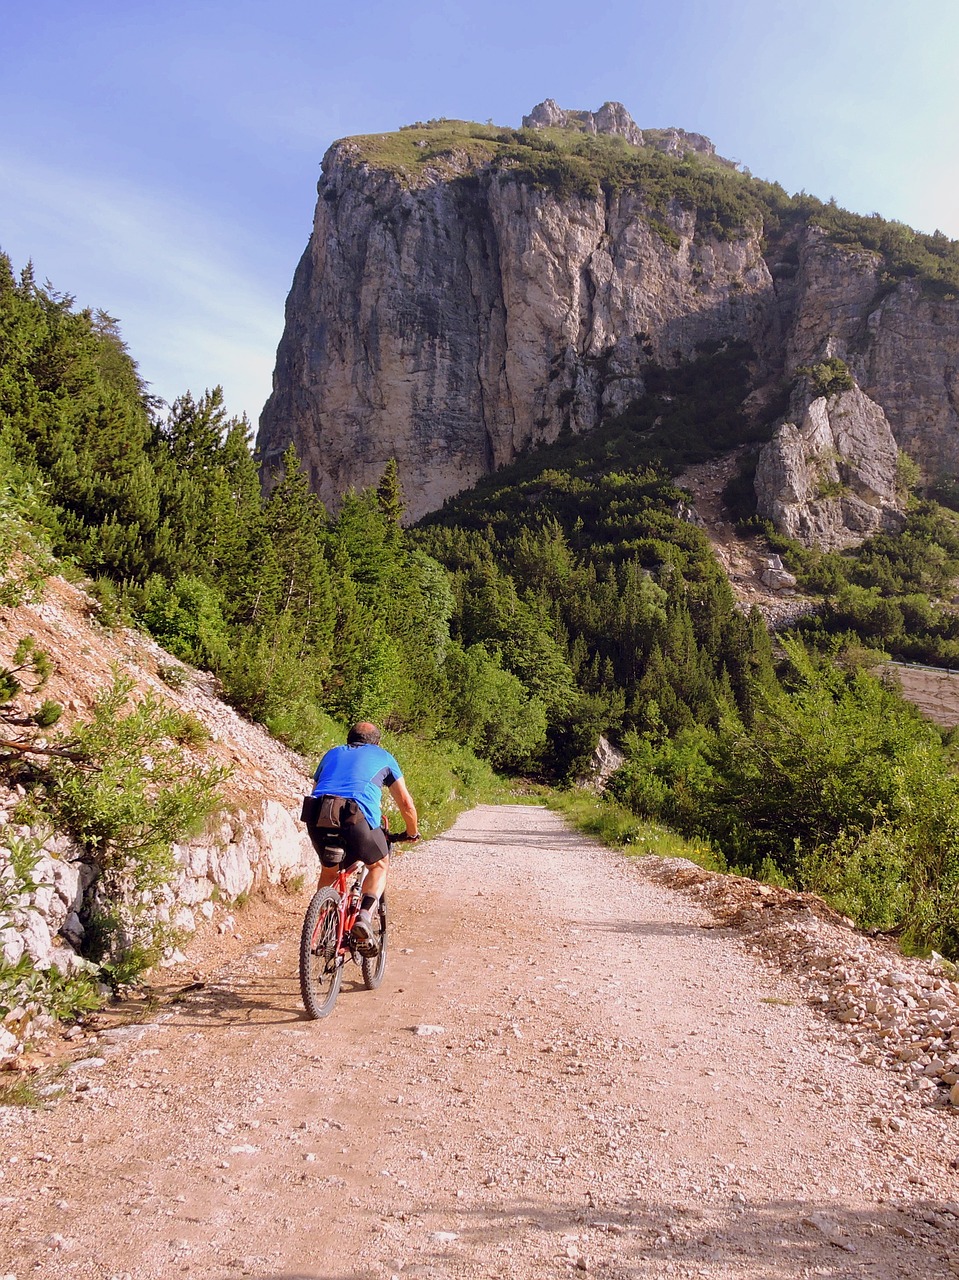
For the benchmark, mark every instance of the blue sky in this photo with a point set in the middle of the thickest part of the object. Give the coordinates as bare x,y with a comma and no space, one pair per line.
159,162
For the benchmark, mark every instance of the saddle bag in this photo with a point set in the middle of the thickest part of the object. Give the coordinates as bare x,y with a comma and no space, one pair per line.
326,816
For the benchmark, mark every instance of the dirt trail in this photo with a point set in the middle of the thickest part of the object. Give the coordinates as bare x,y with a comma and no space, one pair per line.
617,1089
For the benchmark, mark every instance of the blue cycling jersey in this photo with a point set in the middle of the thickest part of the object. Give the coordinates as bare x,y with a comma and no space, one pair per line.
358,773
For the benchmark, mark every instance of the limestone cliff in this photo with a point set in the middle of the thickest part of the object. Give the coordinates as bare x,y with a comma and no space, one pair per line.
467,292
901,343
828,476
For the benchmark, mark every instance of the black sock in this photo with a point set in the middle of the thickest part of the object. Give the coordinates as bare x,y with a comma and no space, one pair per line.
369,902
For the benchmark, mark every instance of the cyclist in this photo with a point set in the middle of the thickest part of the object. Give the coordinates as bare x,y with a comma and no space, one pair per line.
347,806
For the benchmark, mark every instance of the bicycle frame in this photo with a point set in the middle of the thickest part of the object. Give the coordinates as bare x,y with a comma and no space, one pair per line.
350,898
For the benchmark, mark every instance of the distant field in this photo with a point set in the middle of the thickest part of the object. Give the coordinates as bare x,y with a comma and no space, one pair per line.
934,691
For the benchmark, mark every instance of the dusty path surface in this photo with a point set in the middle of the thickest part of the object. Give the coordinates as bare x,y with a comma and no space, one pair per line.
610,1086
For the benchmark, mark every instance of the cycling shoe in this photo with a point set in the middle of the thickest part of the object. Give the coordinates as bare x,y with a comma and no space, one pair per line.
363,935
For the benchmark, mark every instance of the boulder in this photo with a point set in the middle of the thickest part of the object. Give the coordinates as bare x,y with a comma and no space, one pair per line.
777,579
603,763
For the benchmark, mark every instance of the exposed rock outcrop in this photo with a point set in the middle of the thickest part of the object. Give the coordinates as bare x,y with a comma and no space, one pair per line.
452,314
603,763
901,343
828,476
614,120
611,118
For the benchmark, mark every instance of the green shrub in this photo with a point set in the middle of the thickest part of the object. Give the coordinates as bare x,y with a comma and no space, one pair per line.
62,996
188,730
908,475
22,716
186,617
115,602
25,558
136,794
829,377
172,674
902,874
892,593
863,875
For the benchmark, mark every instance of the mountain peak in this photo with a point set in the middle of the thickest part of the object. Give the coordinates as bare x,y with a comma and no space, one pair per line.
613,119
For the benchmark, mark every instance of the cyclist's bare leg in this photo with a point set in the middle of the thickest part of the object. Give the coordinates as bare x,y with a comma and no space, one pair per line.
375,882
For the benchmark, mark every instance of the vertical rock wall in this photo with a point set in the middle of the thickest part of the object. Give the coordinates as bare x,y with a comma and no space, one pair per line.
453,320
452,324
901,343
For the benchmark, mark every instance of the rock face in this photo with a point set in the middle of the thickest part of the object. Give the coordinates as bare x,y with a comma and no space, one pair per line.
614,120
611,118
603,763
828,476
902,345
452,316
451,325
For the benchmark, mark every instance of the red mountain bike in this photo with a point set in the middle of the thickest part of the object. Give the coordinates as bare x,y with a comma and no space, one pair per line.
327,940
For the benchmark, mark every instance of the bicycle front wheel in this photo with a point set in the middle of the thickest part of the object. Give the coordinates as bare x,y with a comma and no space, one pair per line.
374,966
321,965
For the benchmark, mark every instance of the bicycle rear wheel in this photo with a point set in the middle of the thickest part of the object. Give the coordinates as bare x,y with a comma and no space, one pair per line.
374,966
321,967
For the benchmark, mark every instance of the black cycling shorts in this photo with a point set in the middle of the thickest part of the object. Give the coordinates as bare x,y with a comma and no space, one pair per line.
356,841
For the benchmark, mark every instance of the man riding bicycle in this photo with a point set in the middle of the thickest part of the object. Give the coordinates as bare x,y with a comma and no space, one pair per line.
345,823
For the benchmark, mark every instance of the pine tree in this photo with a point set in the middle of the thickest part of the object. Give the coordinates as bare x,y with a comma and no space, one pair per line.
295,522
389,494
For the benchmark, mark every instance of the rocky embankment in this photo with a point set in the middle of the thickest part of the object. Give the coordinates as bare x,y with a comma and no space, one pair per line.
756,574
252,840
898,1012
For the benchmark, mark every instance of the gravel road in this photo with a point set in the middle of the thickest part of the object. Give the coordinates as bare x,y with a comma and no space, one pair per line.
569,1069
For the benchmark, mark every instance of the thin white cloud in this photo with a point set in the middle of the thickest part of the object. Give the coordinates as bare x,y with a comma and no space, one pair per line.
183,285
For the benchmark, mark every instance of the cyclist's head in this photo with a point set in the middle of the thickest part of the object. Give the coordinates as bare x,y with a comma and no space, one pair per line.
363,732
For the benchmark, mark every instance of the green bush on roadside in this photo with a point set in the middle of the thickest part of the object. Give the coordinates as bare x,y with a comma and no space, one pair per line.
135,793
